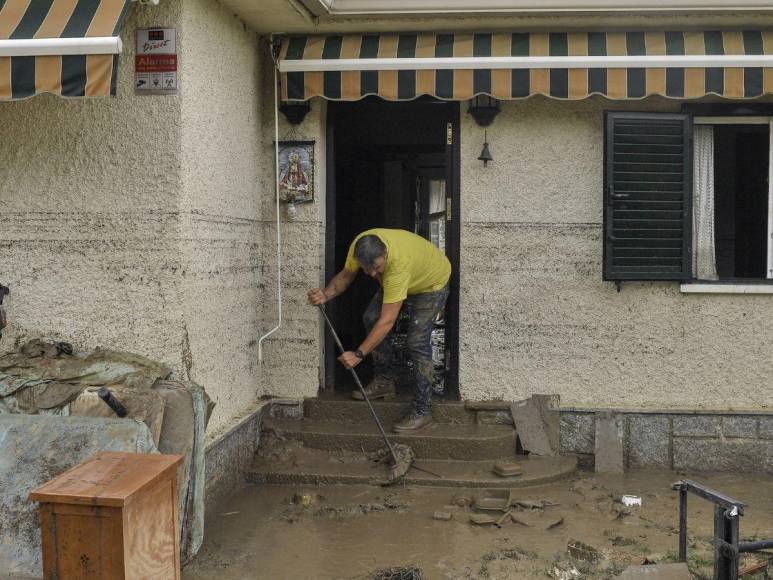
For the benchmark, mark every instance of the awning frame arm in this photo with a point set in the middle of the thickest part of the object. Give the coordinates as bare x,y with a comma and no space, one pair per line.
528,62
61,46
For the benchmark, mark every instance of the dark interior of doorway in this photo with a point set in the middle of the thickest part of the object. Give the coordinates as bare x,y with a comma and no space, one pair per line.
385,163
741,157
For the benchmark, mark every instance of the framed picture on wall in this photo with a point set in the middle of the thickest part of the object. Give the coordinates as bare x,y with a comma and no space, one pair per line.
296,171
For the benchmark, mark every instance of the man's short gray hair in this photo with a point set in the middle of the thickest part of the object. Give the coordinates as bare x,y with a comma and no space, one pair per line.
368,249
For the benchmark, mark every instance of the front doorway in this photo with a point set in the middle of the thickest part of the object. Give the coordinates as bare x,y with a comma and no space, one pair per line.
392,165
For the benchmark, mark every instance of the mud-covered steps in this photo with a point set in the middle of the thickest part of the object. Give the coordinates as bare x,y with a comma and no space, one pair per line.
338,410
316,467
331,442
466,442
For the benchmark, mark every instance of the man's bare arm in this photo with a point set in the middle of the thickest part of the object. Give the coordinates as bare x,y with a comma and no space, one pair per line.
384,324
335,287
378,333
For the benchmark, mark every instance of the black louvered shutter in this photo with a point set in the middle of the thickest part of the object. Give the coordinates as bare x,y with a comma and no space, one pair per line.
648,196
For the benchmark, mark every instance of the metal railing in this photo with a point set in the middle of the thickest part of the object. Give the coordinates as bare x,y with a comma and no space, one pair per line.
727,515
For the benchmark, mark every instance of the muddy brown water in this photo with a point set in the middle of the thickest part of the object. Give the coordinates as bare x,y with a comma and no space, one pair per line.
348,532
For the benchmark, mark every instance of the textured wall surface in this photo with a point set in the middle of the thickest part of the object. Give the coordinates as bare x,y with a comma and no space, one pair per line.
536,316
147,224
223,166
89,221
292,357
133,223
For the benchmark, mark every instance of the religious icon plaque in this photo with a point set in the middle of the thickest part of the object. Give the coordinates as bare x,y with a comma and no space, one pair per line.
296,171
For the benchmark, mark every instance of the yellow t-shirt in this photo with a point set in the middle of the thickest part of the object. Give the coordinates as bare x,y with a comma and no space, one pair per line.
414,265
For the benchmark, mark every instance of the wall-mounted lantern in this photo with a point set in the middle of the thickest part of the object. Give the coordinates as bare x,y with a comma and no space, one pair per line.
295,111
483,109
485,154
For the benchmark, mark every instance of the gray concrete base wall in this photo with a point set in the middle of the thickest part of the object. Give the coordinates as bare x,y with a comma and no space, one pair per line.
227,458
680,440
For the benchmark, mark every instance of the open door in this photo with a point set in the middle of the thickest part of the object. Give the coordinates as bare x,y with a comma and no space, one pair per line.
388,166
452,178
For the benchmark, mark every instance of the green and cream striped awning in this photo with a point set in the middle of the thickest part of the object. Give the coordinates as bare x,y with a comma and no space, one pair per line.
66,47
562,65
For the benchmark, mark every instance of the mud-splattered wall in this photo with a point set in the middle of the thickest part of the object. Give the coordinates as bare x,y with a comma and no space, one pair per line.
292,356
536,316
225,174
133,223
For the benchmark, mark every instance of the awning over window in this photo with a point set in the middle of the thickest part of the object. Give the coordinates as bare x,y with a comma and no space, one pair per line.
573,65
66,47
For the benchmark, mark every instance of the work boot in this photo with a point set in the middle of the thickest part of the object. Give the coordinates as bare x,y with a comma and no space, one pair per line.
412,423
377,389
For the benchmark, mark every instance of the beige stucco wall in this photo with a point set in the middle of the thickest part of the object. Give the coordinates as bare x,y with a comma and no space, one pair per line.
292,358
224,168
133,222
147,224
536,316
89,219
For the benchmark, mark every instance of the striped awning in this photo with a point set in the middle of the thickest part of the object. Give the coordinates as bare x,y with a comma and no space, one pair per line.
561,65
65,47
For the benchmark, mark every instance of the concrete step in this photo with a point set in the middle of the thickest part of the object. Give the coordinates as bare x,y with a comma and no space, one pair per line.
340,410
315,467
437,441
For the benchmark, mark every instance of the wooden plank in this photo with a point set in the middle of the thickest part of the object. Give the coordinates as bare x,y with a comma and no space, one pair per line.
112,542
107,479
78,545
151,541
48,540
753,568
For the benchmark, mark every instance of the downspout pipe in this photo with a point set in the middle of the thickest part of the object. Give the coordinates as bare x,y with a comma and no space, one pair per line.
278,222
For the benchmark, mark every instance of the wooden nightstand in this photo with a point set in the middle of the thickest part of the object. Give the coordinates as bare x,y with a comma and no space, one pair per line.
112,517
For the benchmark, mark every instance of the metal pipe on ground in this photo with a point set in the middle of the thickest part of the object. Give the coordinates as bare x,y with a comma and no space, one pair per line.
755,546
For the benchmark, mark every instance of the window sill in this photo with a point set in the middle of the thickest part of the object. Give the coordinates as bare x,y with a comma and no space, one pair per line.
765,287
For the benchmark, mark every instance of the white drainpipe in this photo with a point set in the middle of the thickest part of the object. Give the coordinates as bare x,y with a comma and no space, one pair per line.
278,224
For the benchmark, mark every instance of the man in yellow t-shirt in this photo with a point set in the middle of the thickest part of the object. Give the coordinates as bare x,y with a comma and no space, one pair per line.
411,272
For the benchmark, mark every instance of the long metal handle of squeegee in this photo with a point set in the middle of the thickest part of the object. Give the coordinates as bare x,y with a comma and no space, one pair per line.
359,384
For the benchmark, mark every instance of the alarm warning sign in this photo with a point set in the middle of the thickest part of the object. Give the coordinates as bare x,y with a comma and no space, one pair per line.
155,61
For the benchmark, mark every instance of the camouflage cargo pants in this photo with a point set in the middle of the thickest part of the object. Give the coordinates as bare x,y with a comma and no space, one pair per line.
422,310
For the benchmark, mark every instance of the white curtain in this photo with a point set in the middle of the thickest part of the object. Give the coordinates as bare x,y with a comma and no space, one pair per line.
704,261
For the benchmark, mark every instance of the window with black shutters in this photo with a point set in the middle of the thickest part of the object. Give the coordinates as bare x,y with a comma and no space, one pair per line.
647,196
